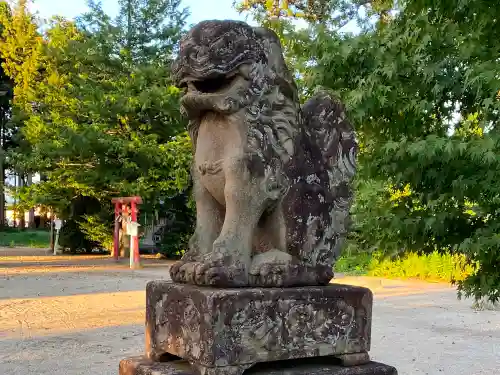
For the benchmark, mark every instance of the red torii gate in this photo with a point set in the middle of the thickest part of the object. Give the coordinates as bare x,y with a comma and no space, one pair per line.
120,204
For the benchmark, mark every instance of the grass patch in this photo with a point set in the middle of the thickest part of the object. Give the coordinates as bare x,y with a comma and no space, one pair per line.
355,264
429,267
27,238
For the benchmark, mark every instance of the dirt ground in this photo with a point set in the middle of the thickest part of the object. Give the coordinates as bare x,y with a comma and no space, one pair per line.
59,316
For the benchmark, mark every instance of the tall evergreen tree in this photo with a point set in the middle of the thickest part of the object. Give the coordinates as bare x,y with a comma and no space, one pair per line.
104,119
5,111
20,50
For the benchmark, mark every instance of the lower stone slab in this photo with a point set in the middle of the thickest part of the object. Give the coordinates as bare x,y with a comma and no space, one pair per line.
238,328
316,366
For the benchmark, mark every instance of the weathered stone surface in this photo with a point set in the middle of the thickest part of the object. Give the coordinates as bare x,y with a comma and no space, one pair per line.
272,181
320,366
219,328
272,185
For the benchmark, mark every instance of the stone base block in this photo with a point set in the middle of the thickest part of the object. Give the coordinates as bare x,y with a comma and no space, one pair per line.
231,330
316,366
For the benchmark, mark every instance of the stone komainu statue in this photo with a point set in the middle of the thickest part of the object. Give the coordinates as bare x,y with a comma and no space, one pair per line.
272,180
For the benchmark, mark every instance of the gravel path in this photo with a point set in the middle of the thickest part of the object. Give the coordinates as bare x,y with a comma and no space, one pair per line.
70,319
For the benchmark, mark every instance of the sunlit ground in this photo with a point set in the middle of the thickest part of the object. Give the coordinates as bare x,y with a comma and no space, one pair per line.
62,316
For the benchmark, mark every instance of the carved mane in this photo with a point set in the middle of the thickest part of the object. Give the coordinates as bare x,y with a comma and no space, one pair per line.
271,103
303,160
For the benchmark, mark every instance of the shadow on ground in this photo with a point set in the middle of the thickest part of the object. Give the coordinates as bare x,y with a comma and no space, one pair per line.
60,318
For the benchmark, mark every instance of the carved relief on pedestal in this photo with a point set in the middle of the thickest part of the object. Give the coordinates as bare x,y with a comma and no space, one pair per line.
233,327
293,324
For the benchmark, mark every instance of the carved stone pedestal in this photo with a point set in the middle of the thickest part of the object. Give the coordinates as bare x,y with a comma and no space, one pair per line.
319,366
227,331
192,330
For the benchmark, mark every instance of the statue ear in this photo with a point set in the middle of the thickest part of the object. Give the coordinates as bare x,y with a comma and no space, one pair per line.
272,48
276,61
269,35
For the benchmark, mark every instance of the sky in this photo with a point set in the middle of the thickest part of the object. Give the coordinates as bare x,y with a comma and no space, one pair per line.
200,9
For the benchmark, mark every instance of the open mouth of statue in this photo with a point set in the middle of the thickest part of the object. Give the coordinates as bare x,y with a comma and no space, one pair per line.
216,85
213,85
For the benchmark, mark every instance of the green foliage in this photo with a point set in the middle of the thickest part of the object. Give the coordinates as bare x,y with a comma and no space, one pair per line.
431,267
334,13
98,230
353,263
95,112
106,126
175,238
175,243
20,50
420,81
20,54
435,266
286,8
402,84
148,30
6,93
5,81
372,216
99,112
73,240
26,238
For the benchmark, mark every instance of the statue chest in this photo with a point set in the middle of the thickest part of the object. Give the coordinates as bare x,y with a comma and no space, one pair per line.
219,138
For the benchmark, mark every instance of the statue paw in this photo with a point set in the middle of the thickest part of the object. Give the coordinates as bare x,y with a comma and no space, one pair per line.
271,269
223,267
279,269
209,272
218,274
324,274
182,271
269,275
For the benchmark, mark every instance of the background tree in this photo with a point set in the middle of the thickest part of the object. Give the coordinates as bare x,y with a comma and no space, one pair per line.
98,116
104,118
21,56
5,113
421,82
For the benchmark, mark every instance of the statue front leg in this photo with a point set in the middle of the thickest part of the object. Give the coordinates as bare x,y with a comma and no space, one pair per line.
270,268
276,267
229,262
209,218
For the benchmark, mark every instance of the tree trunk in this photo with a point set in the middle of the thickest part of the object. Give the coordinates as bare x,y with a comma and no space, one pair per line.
2,169
129,30
52,244
124,238
2,193
31,214
22,220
